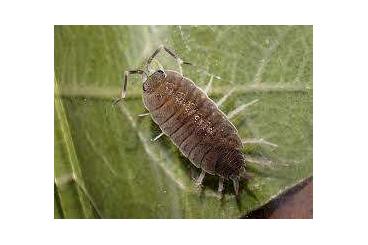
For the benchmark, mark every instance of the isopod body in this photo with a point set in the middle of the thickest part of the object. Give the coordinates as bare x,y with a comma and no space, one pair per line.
193,122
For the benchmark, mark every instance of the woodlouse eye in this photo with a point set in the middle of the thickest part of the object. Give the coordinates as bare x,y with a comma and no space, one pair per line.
161,72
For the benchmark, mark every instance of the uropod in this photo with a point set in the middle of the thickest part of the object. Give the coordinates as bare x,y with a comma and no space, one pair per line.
192,121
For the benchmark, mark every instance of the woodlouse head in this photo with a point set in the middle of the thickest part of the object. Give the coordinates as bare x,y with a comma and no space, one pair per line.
154,81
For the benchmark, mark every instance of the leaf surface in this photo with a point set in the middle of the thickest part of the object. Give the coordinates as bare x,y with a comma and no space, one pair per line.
105,164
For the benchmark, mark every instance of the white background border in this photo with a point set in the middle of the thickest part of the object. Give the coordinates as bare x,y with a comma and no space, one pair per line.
340,122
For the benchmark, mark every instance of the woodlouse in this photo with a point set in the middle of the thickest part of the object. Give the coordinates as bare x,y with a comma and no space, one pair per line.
192,121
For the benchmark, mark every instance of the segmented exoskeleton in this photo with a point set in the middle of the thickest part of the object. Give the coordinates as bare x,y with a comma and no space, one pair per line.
192,121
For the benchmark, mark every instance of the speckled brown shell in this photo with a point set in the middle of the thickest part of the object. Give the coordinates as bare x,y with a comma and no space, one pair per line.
194,123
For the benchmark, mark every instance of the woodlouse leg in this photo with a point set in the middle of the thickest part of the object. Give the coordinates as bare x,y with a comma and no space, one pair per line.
177,58
260,161
236,185
258,141
240,108
144,114
157,137
221,185
200,178
125,82
209,85
225,97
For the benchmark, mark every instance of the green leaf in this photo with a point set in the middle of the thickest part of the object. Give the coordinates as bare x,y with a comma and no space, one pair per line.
105,164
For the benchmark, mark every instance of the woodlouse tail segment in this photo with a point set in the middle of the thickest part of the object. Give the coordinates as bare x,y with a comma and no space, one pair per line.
125,83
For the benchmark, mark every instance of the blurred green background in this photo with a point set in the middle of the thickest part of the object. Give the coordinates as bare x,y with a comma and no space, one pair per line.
105,164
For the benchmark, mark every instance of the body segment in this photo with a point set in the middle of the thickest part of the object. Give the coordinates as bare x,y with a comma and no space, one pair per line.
194,123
